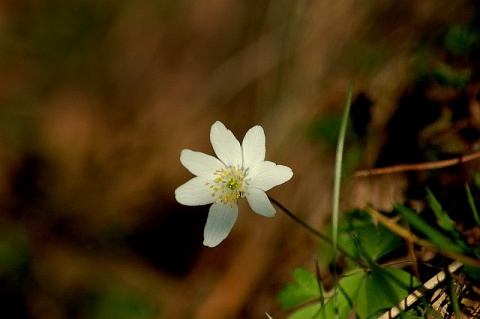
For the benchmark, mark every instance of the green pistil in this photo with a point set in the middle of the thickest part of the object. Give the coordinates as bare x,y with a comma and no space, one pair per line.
232,184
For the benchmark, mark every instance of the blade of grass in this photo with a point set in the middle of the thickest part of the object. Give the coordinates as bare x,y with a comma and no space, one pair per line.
472,204
452,293
405,233
443,220
434,236
336,187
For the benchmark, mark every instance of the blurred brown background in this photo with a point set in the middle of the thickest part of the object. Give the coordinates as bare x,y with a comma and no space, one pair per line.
98,98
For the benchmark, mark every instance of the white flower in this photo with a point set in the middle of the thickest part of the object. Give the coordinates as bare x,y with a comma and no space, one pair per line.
240,171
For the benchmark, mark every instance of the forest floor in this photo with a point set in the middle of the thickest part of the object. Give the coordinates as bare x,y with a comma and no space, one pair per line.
98,98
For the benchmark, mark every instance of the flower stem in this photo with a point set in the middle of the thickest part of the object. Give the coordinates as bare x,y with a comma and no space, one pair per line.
301,222
310,228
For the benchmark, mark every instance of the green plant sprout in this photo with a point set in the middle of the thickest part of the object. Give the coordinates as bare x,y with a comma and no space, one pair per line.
364,243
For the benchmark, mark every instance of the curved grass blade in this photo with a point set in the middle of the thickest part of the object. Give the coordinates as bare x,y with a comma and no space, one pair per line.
336,185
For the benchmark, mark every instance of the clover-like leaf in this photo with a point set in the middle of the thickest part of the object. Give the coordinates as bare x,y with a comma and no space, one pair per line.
359,236
306,288
347,294
395,284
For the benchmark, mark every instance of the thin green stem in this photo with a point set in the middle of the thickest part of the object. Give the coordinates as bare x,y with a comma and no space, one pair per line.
301,222
336,187
308,227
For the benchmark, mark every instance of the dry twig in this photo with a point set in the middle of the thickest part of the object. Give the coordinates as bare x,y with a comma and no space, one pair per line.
417,166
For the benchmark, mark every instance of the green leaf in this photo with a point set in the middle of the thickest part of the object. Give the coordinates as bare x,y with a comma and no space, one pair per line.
395,284
359,236
461,39
347,294
471,271
361,290
305,289
443,220
349,288
307,312
446,75
377,241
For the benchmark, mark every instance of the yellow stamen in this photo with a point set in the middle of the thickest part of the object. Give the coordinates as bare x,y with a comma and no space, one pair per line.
228,185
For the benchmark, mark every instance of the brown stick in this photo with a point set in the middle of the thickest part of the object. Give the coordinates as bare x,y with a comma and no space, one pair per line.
417,166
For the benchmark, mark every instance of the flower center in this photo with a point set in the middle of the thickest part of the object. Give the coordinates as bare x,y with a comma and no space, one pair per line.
228,185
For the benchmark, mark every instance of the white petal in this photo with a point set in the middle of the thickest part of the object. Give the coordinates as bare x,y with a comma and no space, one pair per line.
200,164
265,175
220,221
226,145
253,146
194,193
259,202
